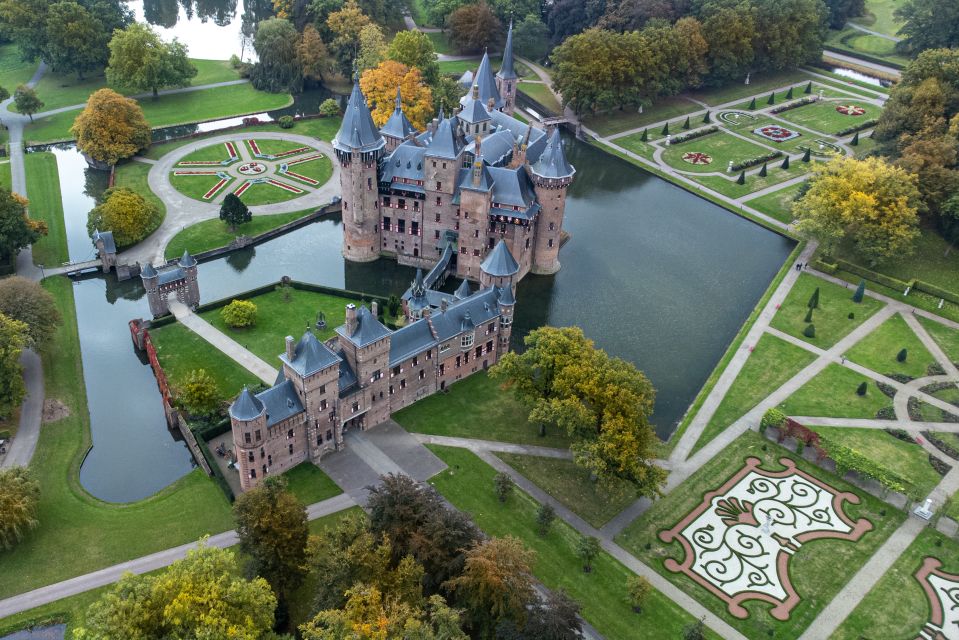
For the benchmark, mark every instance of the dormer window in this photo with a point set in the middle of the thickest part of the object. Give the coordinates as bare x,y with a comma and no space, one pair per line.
466,341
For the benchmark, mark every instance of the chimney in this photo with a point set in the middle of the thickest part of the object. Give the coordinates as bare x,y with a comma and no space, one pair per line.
433,125
350,319
475,91
290,350
478,162
444,303
490,105
375,309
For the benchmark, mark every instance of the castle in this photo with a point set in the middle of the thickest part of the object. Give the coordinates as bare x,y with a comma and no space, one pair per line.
469,181
178,280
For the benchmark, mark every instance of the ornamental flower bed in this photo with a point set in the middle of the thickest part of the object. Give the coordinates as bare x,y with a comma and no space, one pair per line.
291,152
188,172
850,109
776,133
243,187
697,157
313,156
298,176
215,188
794,105
692,135
231,149
284,186
752,162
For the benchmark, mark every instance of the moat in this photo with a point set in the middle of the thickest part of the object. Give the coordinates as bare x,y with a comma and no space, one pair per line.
652,273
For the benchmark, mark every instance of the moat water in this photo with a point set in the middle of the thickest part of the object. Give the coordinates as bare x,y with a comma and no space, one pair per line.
652,273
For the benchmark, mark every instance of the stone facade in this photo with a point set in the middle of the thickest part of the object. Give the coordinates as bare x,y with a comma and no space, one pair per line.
178,280
106,249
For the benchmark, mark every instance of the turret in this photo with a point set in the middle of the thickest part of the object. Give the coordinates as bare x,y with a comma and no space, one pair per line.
359,147
506,302
248,422
499,269
151,282
506,76
441,167
487,84
474,117
551,175
191,292
476,190
398,128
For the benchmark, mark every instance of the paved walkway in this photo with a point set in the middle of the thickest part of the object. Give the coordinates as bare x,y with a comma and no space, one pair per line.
224,343
491,445
884,36
109,575
870,423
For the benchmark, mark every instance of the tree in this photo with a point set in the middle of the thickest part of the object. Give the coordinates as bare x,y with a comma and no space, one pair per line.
200,596
16,229
140,60
695,630
639,590
545,515
763,171
199,393
111,127
330,108
785,163
503,484
379,86
19,505
871,202
473,27
14,337
28,302
346,25
415,49
507,10
234,211
808,317
76,41
603,403
860,291
446,94
496,583
587,548
929,24
531,37
24,22
742,177
809,331
239,314
814,299
26,100
311,53
277,69
901,356
127,214
730,32
841,10
567,18
393,304
862,388
556,617
790,32
600,70
772,418
372,50
272,526
369,614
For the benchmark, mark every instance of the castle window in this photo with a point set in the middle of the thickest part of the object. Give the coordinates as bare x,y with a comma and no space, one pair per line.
490,244
463,250
401,226
356,407
475,253
416,361
466,357
552,225
391,389
415,228
372,398
396,371
246,438
550,243
442,369
332,416
403,383
319,439
439,186
376,375
445,347
466,341
527,243
476,233
250,457
479,351
422,373
257,435
322,388
369,184
322,405
439,201
434,164
291,453
429,354
459,361
269,460
436,234
416,252
444,165
262,452
386,224
289,434
401,203
505,321
416,205
386,201
252,473
329,435
489,346
437,217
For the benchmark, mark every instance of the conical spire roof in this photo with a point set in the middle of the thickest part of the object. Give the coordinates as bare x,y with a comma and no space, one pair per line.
487,83
246,406
500,262
398,126
462,291
506,70
445,143
552,162
187,260
147,271
358,132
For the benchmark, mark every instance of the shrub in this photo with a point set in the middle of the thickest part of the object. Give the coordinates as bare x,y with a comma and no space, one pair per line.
19,505
860,291
868,274
945,294
393,305
686,124
503,484
745,164
865,124
901,356
855,140
235,61
808,88
286,122
851,316
544,519
887,389
772,418
127,214
752,104
861,390
808,317
198,394
742,178
809,331
645,135
638,588
802,102
763,171
814,299
772,98
789,94
666,129
239,314
587,548
807,155
692,135
706,118
785,164
330,108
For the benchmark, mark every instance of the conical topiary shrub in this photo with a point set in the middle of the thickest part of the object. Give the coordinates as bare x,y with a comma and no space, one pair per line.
860,291
808,317
814,299
772,98
901,356
742,177
762,172
807,155
686,124
706,118
808,88
752,104
861,391
809,331
785,164
855,140
666,129
645,135
789,94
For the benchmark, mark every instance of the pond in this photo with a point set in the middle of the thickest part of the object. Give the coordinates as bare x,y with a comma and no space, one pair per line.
652,273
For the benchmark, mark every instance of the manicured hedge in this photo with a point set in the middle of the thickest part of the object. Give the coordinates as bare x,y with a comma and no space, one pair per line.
932,289
745,164
865,124
692,135
824,266
795,105
869,274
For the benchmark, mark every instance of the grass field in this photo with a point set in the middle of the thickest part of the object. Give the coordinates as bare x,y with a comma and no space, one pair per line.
13,70
812,569
181,108
476,408
541,94
832,393
210,153
196,187
6,179
721,146
320,169
617,121
822,116
855,42
309,484
772,362
43,185
271,147
110,533
775,174
133,176
880,16
948,339
211,234
265,193
595,503
441,44
831,318
777,204
758,83
635,144
879,349
468,484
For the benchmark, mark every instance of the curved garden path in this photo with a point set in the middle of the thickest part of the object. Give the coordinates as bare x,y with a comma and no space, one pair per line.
183,211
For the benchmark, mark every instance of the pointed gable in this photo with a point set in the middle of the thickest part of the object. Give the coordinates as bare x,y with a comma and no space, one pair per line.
500,262
487,83
552,162
358,132
446,142
398,126
310,355
246,407
368,329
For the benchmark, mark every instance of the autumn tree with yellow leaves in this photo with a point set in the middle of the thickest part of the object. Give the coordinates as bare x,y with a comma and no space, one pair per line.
869,202
111,127
379,86
127,214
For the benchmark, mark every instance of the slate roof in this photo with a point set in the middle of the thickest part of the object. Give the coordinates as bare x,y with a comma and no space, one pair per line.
281,402
485,182
347,377
398,126
310,355
187,260
466,80
497,147
463,291
464,314
487,83
410,340
109,244
368,329
147,271
445,143
474,109
512,186
506,295
406,161
537,136
357,132
552,162
506,71
171,275
500,261
246,406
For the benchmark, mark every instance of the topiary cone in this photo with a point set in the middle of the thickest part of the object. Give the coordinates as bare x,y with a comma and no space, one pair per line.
666,129
762,172
772,98
785,164
742,177
807,155
789,94
752,104
855,140
808,88
645,135
706,118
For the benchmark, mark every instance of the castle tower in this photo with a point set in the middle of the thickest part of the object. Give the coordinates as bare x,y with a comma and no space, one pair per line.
365,343
151,282
248,421
506,76
398,128
507,304
313,369
499,269
359,147
487,83
441,166
190,292
551,175
476,191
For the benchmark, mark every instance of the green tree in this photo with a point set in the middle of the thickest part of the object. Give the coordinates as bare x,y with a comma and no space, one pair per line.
841,10
446,94
311,53
28,302
814,299
199,393
862,388
639,590
26,100
272,526
415,49
140,60
76,40
14,337
587,548
330,108
234,211
730,32
600,70
790,32
372,49
16,230
929,24
531,37
127,214
473,27
860,291
545,515
439,11
503,484
201,596
695,630
24,22
277,69
19,504
369,614
111,127
345,26
239,314
507,10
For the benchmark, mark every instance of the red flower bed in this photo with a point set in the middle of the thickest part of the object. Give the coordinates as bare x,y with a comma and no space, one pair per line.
850,110
697,157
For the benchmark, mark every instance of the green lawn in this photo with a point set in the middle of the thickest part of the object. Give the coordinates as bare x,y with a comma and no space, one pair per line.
133,176
855,42
822,116
194,186
831,318
842,82
468,484
595,503
777,204
271,147
634,143
13,70
775,174
541,94
210,153
758,85
320,169
812,569
948,339
880,16
441,44
832,393
309,484
181,351
46,203
211,234
477,407
265,193
6,179
897,607
909,461
196,106
662,109
772,362
110,533
721,146
879,349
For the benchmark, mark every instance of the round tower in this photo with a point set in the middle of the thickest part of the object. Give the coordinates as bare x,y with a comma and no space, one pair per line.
359,147
151,282
191,292
499,268
551,175
506,302
248,420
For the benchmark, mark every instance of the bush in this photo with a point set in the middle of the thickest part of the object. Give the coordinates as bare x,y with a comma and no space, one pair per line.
638,588
239,314
686,124
901,356
869,274
645,136
814,299
772,418
692,135
851,316
933,290
865,124
802,102
745,164
742,178
808,317
544,519
861,390
809,331
752,104
860,292
666,129
235,61
286,122
855,140
330,108
503,484
127,214
785,164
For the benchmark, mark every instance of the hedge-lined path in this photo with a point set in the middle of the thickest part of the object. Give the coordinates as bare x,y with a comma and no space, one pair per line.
183,211
491,445
873,423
